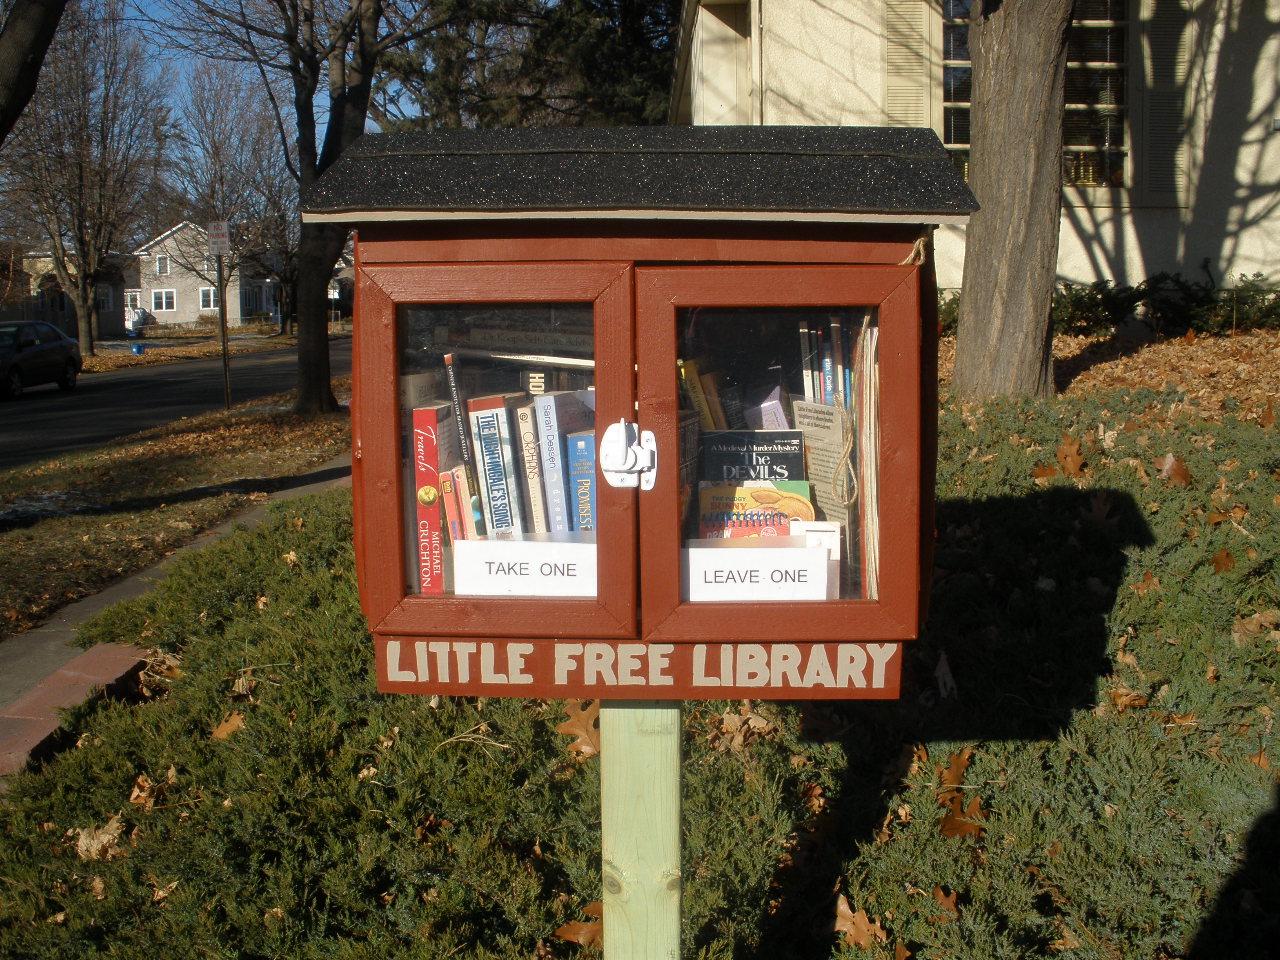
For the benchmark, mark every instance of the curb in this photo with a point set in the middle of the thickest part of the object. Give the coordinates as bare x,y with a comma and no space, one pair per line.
43,672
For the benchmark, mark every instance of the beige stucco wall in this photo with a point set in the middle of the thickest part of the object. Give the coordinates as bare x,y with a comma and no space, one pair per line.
822,62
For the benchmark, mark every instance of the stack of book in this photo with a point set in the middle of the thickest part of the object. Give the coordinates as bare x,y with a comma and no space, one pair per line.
500,466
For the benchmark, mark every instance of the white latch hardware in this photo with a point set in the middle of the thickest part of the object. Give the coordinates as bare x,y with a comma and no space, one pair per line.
628,456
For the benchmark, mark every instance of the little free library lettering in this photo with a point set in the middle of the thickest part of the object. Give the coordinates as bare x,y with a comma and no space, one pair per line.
604,448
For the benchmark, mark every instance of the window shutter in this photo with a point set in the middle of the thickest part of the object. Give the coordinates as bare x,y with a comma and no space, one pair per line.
1167,32
906,63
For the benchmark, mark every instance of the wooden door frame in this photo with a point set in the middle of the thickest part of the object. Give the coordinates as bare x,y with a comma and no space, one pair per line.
895,292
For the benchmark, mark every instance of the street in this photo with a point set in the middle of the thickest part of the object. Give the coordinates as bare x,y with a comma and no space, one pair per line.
45,422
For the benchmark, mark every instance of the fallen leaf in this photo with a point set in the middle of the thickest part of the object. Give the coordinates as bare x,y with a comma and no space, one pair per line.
1172,469
1268,418
945,900
1125,699
1260,760
98,888
160,894
953,777
1211,673
290,558
1069,457
585,933
101,843
1066,939
858,929
962,821
233,722
58,918
1148,582
900,952
144,792
1249,627
1223,561
242,688
583,724
1043,474
262,602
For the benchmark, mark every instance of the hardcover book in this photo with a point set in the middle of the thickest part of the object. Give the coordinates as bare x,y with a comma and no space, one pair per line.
752,509
434,451
531,465
731,456
499,483
691,377
582,478
558,415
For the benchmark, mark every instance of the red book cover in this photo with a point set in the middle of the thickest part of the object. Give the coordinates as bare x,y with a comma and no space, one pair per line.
429,437
452,505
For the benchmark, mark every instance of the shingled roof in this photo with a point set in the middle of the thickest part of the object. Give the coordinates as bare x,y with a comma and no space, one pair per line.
819,173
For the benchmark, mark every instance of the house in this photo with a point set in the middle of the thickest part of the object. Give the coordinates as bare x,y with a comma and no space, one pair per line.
174,280
46,300
1172,130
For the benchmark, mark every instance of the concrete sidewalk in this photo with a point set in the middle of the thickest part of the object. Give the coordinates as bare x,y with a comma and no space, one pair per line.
42,671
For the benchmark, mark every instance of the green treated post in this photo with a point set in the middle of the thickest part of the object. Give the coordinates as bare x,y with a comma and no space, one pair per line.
640,826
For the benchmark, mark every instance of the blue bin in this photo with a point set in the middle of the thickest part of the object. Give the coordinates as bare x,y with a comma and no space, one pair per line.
138,349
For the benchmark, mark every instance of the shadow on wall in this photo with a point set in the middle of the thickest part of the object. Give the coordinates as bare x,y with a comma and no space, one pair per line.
1024,664
1200,80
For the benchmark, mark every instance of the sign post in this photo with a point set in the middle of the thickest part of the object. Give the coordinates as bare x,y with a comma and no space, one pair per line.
219,233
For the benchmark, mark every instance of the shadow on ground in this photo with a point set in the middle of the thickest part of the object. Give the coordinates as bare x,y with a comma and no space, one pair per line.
1022,587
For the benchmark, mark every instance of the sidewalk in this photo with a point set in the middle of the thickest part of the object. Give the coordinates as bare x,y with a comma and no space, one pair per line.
42,671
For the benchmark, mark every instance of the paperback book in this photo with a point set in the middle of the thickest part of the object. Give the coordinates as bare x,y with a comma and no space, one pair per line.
499,483
558,415
755,508
730,456
582,478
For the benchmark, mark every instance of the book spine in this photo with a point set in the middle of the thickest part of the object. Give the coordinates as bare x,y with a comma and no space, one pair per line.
452,506
469,500
531,460
511,468
689,374
551,445
582,478
427,495
711,390
828,373
806,375
460,421
837,358
495,494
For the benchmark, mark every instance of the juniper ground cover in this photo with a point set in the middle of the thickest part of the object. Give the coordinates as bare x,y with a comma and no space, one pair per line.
1082,765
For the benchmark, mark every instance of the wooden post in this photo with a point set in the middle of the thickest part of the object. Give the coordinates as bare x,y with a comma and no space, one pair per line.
640,827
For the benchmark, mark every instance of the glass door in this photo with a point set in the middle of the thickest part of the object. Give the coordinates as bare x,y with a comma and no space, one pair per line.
786,406
491,518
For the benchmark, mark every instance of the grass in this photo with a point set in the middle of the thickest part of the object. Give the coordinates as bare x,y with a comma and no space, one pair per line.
1118,801
73,524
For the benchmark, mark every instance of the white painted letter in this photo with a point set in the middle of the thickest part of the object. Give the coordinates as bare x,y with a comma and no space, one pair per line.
394,673
784,665
629,655
753,665
881,654
597,660
818,672
565,660
658,657
487,672
516,652
700,678
441,649
851,665
462,651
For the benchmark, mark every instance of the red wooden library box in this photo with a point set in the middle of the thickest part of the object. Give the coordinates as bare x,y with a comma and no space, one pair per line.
644,413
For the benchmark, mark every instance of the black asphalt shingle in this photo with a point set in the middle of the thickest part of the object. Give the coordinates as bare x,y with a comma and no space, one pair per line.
857,170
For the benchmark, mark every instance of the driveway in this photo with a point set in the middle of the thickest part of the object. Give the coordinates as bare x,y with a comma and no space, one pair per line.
45,422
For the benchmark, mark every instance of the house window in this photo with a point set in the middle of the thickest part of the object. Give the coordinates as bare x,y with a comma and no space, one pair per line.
162,265
1094,138
132,299
163,300
208,298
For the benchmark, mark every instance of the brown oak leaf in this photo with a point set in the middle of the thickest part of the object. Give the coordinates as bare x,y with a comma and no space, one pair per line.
1172,469
1043,474
100,843
585,933
1223,561
233,722
962,821
1268,418
953,777
583,724
1148,582
1246,628
1260,760
946,900
858,929
1125,699
1069,457
900,952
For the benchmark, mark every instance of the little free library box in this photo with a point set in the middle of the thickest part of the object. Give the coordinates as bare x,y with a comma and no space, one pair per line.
644,413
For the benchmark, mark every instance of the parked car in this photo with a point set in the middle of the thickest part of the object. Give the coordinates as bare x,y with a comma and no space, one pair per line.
34,353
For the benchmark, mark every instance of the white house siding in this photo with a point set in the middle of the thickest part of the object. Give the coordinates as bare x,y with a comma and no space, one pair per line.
1205,68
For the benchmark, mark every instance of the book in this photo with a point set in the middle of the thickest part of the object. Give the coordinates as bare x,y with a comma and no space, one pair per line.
558,415
469,500
433,450
460,424
582,478
735,416
837,361
806,361
711,390
531,464
768,411
533,382
828,372
868,458
755,508
454,522
731,456
815,362
499,484
691,377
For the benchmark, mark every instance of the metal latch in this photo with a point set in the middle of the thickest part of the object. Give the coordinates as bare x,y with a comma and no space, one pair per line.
628,456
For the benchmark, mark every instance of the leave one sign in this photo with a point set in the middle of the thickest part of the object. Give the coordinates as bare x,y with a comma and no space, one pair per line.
219,233
619,669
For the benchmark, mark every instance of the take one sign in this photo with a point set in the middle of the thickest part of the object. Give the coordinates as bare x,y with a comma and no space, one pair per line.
629,670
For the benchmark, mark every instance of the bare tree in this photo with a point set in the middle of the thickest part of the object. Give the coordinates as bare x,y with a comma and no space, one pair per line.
83,155
1019,51
29,26
326,52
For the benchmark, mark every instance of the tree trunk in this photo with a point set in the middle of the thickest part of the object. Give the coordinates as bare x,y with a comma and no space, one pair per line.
85,327
1019,51
319,246
27,33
